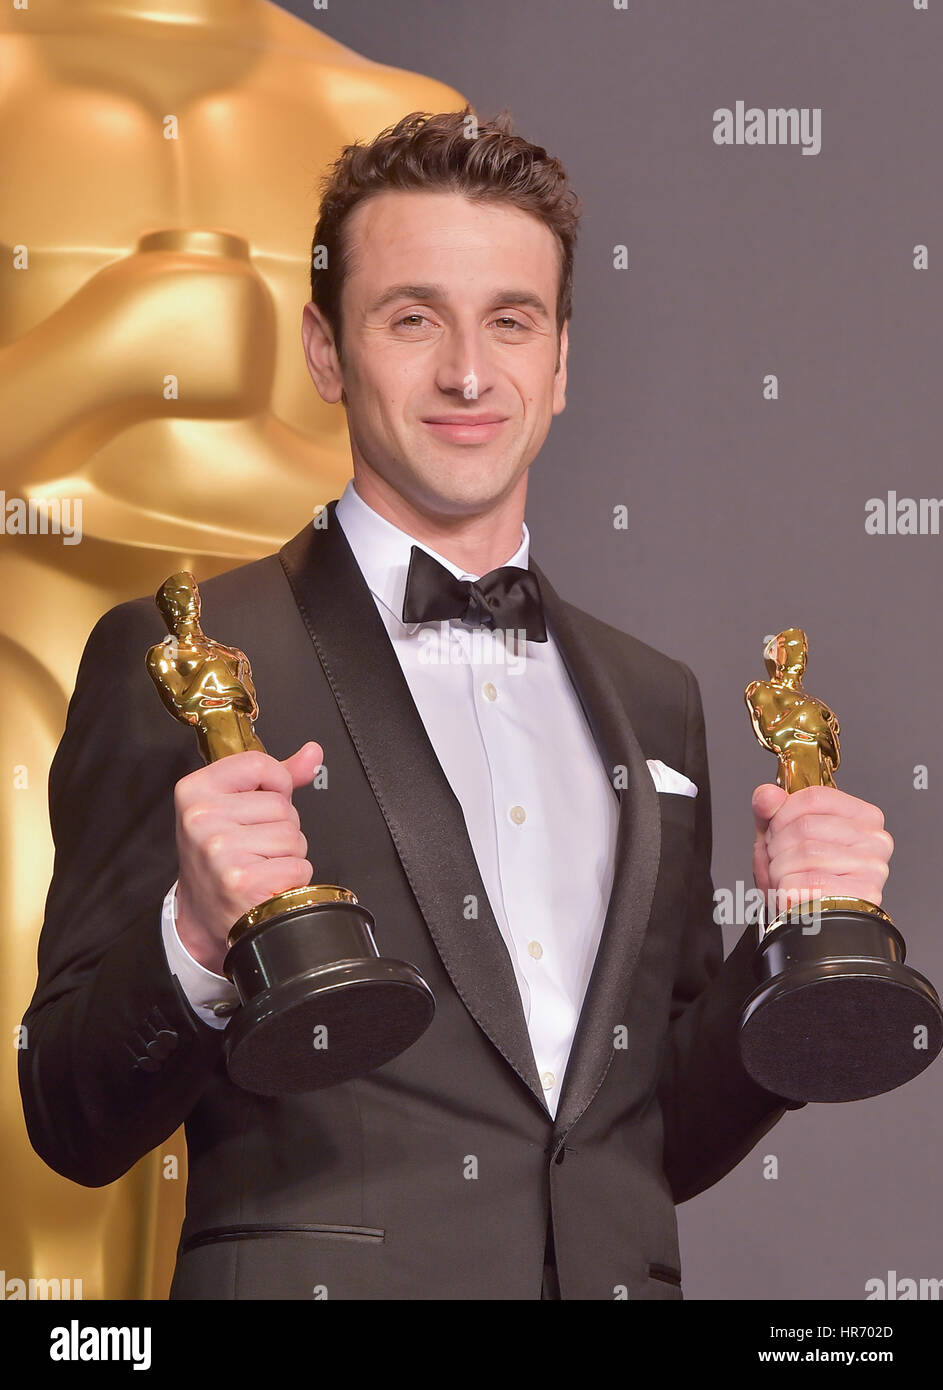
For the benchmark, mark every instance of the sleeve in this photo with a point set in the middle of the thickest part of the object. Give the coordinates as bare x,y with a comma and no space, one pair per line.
115,1058
713,1111
204,989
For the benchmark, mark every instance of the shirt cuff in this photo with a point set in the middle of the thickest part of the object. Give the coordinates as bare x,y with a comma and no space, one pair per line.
204,989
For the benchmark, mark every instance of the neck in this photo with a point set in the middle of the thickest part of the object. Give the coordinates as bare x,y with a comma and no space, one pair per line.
477,543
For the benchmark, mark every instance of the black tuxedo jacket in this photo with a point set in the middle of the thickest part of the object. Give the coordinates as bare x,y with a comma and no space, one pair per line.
434,1176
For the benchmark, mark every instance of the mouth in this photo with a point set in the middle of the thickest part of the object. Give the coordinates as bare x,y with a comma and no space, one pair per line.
465,429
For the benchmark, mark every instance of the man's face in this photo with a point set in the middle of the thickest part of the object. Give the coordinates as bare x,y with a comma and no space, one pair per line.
448,312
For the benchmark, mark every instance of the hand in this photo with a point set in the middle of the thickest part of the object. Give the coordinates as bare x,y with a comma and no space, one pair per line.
817,842
239,842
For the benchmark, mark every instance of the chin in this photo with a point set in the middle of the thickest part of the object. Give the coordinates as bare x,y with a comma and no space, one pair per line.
463,501
469,482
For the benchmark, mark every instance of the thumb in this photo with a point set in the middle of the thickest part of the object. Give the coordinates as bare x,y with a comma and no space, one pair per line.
303,764
767,799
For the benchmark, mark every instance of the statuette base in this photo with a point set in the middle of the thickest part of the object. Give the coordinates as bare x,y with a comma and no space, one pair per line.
837,1015
319,1004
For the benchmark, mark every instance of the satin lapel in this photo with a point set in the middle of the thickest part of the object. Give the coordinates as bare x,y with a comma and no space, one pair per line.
423,814
638,850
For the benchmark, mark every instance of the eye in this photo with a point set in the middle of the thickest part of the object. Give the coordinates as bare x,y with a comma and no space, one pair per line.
416,320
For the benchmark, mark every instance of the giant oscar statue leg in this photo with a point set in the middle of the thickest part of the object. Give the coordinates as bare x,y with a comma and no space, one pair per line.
837,1014
319,1005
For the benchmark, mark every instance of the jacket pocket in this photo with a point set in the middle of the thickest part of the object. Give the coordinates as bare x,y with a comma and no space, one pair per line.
665,1274
214,1234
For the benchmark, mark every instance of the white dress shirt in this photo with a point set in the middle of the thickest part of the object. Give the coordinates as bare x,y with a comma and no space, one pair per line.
539,805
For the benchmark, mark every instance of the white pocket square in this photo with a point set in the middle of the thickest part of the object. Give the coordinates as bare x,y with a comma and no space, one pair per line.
667,780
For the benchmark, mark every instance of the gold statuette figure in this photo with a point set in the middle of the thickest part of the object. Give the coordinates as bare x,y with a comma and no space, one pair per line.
200,681
800,730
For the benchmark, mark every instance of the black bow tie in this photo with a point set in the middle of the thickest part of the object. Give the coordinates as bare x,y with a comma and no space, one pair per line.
508,597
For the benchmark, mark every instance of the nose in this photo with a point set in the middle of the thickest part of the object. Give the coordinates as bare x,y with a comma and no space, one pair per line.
462,364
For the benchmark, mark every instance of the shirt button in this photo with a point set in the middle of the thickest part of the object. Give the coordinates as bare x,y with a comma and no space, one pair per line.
535,949
548,1080
518,814
489,691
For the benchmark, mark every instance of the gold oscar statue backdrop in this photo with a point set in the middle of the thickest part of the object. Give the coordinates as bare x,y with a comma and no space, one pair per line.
160,161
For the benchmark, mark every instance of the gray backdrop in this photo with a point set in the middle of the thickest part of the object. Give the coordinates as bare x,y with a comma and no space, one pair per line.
747,515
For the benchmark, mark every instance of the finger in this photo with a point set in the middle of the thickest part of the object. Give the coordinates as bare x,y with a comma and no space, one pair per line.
238,772
260,808
245,808
830,801
255,808
816,860
238,845
250,884
832,885
833,830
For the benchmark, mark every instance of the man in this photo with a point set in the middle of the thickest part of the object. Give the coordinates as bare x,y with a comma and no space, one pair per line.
534,837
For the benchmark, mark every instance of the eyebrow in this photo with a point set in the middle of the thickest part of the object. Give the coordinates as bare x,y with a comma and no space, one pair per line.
430,294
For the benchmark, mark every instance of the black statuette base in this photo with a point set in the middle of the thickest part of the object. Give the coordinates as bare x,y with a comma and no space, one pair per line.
837,1015
319,1004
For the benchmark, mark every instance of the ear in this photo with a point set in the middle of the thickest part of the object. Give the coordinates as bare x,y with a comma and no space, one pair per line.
321,354
559,381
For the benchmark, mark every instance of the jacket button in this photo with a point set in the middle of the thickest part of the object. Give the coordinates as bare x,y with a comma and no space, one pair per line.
161,1047
149,1056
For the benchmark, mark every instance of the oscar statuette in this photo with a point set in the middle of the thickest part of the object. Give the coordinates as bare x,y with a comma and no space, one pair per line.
837,1014
318,1004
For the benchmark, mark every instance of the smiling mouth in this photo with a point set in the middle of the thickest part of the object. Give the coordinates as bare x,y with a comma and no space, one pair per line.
466,429
463,419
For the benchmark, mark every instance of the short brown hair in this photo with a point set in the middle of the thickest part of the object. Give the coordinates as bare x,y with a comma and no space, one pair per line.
438,153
